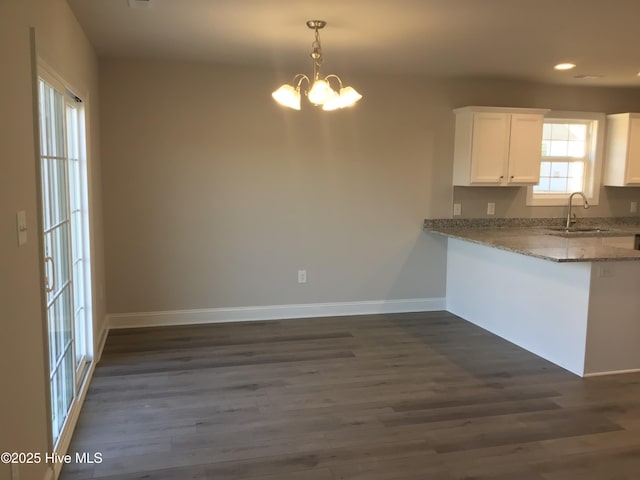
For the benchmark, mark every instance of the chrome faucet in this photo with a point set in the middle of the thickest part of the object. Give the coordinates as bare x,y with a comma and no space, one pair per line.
571,220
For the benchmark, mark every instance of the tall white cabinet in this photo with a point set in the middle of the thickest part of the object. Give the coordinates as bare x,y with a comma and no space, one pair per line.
623,150
497,146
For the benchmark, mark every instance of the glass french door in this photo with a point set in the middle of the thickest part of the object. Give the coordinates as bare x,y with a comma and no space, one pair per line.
66,259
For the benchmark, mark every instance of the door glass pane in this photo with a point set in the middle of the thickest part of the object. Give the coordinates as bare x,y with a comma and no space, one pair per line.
72,133
46,195
62,393
60,333
58,147
59,196
60,254
60,356
52,321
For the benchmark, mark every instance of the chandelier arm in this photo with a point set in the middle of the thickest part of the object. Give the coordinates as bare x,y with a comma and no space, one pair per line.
299,78
326,79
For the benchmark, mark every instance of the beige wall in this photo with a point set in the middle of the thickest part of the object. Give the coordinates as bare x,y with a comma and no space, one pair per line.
215,196
23,407
510,203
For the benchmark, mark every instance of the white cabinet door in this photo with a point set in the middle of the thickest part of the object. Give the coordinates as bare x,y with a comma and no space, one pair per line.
525,149
632,176
490,148
622,167
497,146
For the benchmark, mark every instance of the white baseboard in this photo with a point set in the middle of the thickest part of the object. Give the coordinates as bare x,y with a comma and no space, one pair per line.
272,312
614,372
103,338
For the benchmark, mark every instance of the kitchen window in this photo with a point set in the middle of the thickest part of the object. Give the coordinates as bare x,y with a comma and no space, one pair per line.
572,145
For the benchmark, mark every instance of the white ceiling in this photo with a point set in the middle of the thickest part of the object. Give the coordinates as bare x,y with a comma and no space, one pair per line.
488,38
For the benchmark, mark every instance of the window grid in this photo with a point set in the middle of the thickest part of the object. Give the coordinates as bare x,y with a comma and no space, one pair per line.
565,149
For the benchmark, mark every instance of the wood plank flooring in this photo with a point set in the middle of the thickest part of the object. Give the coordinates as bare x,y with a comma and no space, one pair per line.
424,396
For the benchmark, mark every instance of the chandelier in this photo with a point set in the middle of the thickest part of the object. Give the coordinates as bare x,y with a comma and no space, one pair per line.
319,90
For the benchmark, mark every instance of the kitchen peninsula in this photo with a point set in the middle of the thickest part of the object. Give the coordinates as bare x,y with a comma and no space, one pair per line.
569,297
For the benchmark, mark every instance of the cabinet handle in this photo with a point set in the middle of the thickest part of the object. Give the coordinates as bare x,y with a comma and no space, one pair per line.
501,177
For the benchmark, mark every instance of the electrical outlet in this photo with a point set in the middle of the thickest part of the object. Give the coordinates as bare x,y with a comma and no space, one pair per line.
302,276
491,208
633,208
457,209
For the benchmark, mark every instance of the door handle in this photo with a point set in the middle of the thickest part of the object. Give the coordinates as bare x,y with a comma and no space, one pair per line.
49,287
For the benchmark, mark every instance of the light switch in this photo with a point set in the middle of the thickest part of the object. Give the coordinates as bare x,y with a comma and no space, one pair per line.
21,220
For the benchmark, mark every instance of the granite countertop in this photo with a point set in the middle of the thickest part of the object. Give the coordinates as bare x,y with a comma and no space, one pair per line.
536,237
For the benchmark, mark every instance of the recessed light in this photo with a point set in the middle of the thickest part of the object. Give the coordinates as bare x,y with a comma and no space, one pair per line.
565,66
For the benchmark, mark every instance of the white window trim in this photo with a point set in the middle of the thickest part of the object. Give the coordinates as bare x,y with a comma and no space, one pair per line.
593,173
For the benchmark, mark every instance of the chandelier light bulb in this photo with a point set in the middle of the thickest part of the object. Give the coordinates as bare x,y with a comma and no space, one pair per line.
321,92
287,96
348,97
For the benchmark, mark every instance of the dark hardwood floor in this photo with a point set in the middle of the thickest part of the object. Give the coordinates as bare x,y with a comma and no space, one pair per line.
423,396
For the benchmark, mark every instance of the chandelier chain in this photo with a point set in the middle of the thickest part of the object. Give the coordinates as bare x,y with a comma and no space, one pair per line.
316,53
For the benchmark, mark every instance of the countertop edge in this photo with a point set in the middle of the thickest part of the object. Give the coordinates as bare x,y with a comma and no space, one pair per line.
605,253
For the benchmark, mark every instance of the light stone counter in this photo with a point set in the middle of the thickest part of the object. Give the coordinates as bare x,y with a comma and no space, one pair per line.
573,301
538,240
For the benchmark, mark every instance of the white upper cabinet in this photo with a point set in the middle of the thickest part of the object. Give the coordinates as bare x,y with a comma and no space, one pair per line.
623,150
497,146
